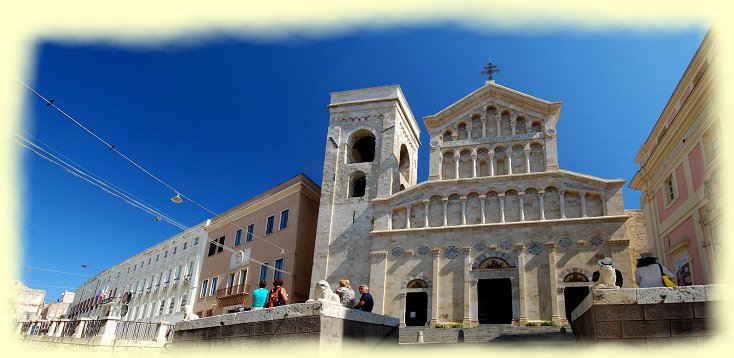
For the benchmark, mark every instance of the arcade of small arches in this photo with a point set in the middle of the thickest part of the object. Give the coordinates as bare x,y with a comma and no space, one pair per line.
484,161
495,206
501,124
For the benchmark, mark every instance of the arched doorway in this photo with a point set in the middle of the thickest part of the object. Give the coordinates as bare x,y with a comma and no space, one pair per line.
416,303
576,288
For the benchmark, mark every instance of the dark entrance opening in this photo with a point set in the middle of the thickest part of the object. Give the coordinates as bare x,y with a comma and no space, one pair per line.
416,309
574,296
494,301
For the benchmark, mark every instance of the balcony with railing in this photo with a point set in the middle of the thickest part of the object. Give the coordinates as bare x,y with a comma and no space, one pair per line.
233,295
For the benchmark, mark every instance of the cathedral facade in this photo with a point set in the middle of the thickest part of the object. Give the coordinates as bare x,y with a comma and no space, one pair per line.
497,234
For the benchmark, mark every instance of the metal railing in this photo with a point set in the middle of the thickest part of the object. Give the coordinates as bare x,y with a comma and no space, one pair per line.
91,328
145,331
233,290
43,328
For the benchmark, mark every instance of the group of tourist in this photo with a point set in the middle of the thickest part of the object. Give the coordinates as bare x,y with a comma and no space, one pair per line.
278,296
649,273
262,298
347,297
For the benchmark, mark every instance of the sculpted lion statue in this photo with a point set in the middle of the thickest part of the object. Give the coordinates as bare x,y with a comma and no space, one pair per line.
607,277
189,314
323,292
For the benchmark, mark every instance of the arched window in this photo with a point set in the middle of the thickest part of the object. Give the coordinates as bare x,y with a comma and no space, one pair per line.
404,166
358,185
417,283
363,146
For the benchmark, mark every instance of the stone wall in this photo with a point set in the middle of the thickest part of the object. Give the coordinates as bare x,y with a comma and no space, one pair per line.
648,316
298,326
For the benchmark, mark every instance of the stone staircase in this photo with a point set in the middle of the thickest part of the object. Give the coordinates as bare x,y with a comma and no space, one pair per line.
490,334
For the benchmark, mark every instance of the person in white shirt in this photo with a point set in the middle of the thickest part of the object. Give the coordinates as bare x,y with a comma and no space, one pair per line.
649,272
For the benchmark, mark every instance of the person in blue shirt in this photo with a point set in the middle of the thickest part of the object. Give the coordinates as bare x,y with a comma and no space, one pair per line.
366,302
260,296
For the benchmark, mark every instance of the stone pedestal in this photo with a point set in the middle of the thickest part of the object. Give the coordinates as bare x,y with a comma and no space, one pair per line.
648,316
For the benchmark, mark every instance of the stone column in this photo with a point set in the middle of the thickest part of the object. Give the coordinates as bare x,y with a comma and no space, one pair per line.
522,316
521,196
509,161
80,327
582,195
473,165
603,204
445,201
51,329
457,159
107,331
407,217
163,328
402,296
502,207
552,263
562,201
466,251
492,164
484,126
497,119
440,169
389,219
513,122
527,158
482,199
378,275
463,210
468,131
60,328
436,254
541,193
474,303
426,203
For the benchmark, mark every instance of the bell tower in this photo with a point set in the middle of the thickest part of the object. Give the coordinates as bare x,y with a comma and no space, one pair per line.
371,152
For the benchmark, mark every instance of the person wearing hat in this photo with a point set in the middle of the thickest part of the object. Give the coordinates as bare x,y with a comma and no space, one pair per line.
608,261
649,271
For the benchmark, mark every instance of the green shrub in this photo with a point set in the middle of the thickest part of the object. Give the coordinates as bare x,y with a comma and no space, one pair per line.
543,323
449,325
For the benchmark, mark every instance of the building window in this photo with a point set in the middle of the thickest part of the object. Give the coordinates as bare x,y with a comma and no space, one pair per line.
204,286
157,257
712,142
238,237
278,269
174,250
250,231
221,245
362,146
264,272
215,280
243,280
170,305
165,254
184,246
358,185
212,248
269,225
669,190
196,241
160,309
283,219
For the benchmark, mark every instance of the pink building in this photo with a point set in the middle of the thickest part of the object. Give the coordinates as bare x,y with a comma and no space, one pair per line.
678,176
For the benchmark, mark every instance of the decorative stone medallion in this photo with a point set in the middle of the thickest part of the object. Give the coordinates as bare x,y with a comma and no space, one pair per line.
550,132
535,247
596,240
423,250
565,242
480,246
398,251
505,245
452,252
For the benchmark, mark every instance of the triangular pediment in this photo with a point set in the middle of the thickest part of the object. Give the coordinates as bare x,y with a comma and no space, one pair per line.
492,93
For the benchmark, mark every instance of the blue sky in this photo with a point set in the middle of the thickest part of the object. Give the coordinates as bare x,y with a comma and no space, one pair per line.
223,119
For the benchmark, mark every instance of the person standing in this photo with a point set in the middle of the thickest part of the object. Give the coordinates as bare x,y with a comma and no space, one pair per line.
366,302
649,272
278,295
260,296
608,261
346,293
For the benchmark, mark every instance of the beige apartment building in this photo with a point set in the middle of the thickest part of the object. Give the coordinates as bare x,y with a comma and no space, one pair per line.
267,237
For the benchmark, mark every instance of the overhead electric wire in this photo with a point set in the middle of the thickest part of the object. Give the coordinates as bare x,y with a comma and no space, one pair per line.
112,148
56,271
50,157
